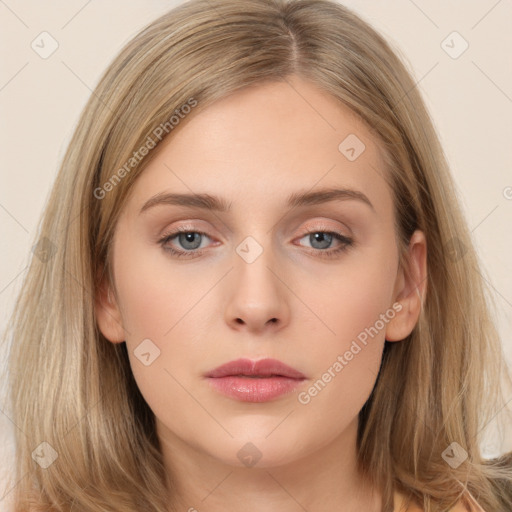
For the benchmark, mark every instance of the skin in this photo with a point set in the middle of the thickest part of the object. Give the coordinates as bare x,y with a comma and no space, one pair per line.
254,149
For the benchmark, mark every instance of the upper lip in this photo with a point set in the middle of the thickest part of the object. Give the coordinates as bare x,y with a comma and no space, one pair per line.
261,368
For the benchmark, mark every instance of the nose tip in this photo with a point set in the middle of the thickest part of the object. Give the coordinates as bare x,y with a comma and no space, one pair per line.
257,300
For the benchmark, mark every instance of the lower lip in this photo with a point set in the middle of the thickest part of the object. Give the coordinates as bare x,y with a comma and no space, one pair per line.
247,389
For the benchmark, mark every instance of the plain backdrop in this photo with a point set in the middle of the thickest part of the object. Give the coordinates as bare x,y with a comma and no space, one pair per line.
468,91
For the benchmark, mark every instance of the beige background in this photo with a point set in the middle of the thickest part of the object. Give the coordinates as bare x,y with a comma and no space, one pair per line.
470,98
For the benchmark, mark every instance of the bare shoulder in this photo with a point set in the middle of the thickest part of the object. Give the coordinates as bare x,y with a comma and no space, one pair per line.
464,505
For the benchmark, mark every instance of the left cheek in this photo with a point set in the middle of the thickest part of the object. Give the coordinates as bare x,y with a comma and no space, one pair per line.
352,307
353,310
355,302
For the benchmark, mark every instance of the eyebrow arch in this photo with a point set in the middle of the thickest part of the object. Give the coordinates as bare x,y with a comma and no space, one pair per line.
204,201
325,195
295,200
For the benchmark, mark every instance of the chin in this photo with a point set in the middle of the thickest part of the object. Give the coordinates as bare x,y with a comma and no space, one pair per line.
259,451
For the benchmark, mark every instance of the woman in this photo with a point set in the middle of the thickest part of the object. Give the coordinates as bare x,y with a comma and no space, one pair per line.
253,287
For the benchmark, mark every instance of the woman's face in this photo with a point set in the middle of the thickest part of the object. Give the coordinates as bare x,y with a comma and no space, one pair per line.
276,264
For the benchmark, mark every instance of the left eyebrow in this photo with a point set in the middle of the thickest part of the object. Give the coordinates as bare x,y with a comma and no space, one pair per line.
297,199
325,195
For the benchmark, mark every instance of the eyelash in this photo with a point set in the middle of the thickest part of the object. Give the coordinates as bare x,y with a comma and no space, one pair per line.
346,243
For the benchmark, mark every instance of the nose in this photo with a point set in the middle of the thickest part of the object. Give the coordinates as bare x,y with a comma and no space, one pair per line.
258,300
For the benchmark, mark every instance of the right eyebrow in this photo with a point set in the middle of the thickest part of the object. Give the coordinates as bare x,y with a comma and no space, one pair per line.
205,201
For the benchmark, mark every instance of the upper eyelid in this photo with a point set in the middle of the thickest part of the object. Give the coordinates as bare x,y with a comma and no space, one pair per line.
321,227
186,229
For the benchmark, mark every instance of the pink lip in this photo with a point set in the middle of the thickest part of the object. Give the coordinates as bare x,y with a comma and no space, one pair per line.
255,381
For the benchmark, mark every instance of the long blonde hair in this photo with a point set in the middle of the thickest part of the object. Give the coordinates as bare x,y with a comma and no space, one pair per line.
74,390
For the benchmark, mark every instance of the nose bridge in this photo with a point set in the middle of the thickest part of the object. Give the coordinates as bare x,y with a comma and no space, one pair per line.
252,267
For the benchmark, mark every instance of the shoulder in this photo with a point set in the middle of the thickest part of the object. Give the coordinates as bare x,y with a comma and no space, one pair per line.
461,506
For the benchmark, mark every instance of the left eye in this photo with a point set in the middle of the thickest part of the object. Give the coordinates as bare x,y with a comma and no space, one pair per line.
322,238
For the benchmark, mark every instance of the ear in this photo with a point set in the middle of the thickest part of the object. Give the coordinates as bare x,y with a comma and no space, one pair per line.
108,314
410,289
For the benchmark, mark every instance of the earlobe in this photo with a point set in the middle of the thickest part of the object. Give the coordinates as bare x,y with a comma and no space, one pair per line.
410,289
108,314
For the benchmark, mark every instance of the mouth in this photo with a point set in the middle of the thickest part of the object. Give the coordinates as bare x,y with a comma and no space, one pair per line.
255,381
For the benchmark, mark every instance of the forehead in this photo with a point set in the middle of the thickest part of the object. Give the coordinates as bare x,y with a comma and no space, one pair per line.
265,142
